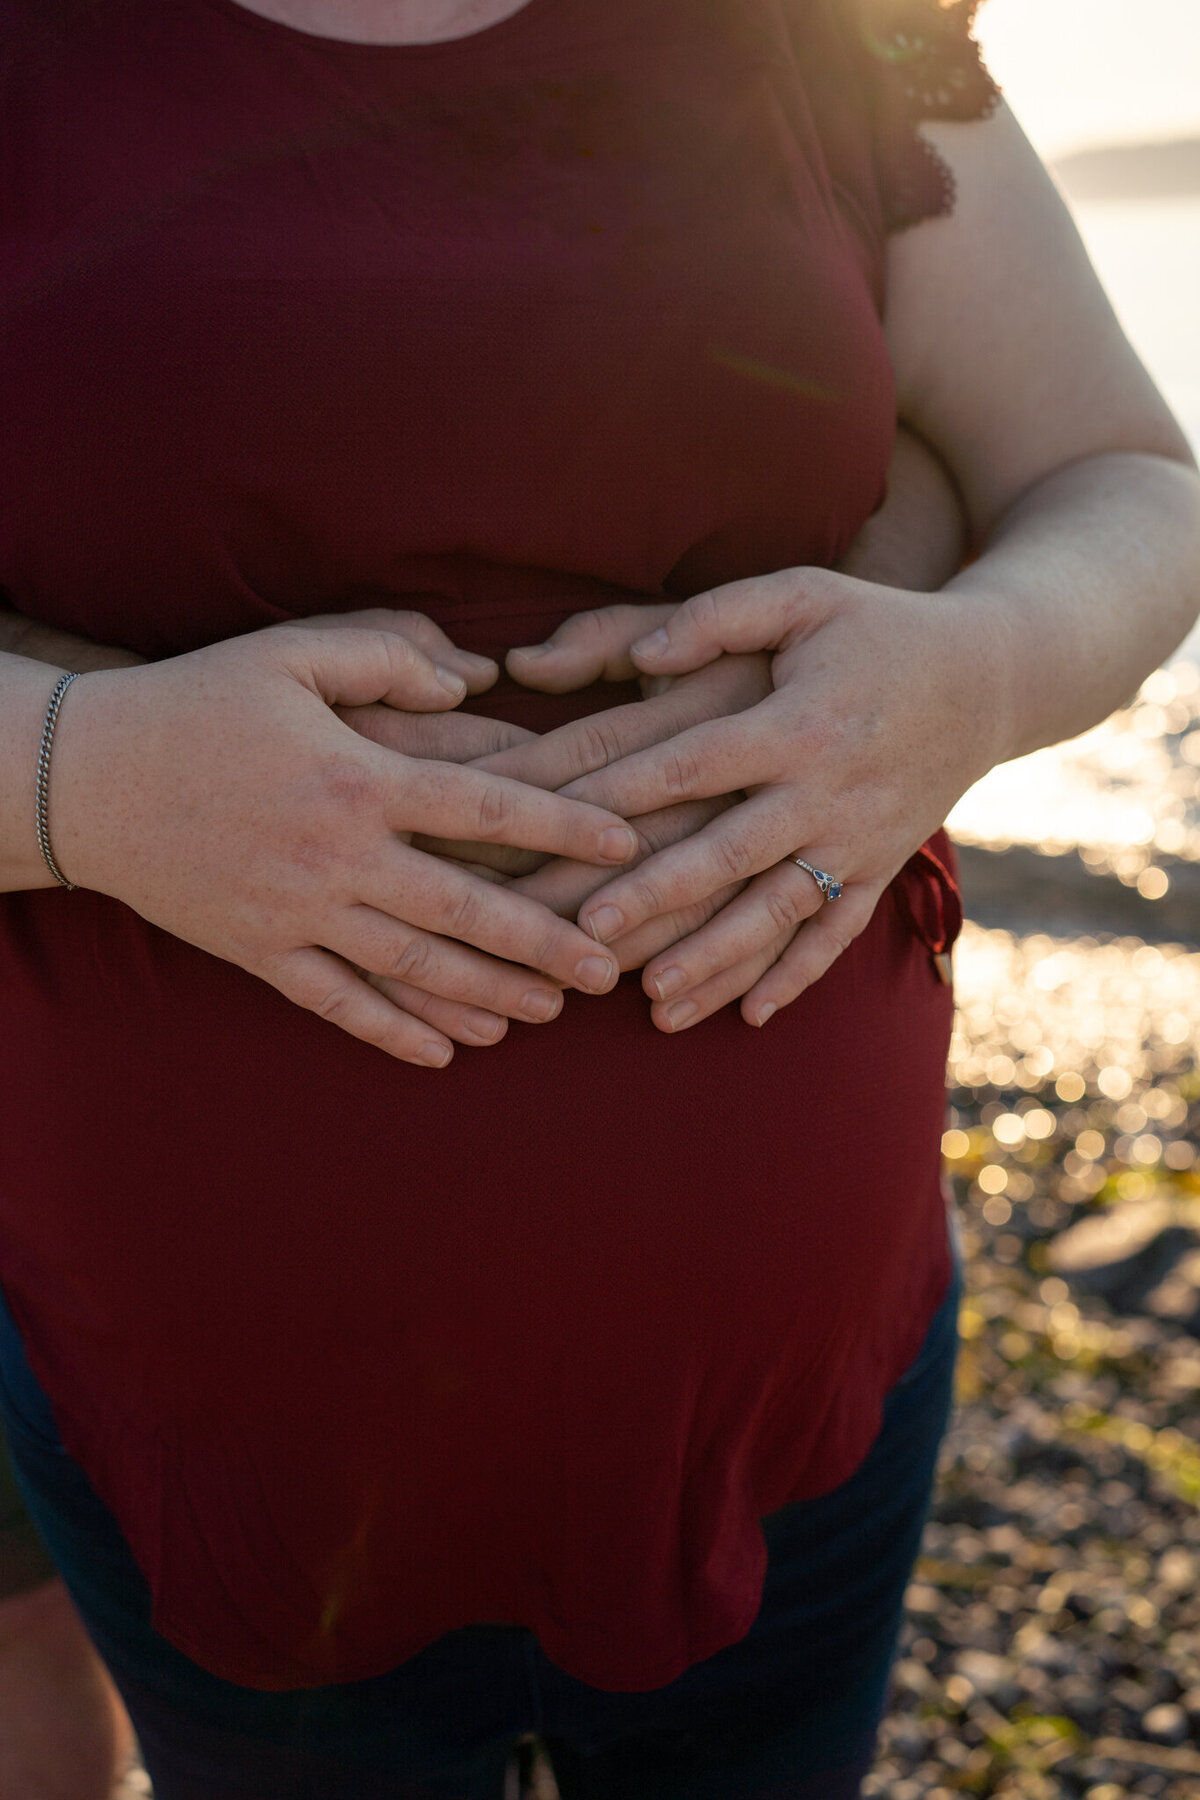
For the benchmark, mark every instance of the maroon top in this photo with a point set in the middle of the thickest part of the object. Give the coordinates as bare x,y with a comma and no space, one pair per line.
584,306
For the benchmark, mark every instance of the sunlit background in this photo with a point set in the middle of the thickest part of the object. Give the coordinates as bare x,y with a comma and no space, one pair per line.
1052,1649
1109,92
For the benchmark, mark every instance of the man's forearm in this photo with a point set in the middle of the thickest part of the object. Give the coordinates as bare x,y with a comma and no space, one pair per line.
20,636
918,538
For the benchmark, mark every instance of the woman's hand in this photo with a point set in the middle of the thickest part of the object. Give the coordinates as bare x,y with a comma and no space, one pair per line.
916,541
590,647
889,703
446,736
219,795
873,731
565,886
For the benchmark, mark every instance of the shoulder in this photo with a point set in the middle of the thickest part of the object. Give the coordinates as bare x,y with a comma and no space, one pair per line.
896,64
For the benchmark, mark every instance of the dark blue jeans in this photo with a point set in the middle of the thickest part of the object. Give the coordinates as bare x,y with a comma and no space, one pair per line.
788,1713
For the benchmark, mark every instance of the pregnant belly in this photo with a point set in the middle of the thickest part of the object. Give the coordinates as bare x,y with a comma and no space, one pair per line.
246,1249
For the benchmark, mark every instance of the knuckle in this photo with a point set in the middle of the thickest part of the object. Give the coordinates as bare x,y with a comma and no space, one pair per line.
344,783
599,745
784,909
691,918
401,651
704,910
649,898
588,626
732,858
681,773
493,810
415,1001
460,915
497,736
413,962
312,853
548,948
656,831
489,991
336,1005
705,610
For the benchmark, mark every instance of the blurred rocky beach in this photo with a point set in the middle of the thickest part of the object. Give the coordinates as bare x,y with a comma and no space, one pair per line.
1052,1649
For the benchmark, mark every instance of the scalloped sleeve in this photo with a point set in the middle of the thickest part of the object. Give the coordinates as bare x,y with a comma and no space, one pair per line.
919,61
878,70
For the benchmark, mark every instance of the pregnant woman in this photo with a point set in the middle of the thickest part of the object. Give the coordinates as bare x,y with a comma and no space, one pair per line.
380,1407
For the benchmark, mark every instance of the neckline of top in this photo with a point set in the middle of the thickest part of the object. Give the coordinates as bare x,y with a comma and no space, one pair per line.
487,34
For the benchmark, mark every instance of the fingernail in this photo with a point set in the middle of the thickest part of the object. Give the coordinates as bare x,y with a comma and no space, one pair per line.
435,1056
533,650
652,647
483,1025
618,843
595,973
453,684
538,1006
605,923
478,662
680,1014
764,1012
669,982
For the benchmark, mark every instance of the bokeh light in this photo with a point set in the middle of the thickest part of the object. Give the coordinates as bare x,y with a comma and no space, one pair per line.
1124,796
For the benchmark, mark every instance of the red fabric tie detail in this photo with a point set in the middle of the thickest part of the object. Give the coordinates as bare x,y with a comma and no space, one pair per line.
929,894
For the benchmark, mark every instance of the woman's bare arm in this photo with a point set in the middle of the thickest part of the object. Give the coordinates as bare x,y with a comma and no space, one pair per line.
1078,483
219,795
1085,509
25,689
20,636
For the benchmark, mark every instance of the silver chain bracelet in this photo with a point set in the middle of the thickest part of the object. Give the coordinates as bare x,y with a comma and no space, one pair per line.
43,777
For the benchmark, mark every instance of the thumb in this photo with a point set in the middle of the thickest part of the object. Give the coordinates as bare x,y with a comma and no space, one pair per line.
358,667
765,612
589,646
479,672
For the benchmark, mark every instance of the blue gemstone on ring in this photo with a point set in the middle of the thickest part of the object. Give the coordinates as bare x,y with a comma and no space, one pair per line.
831,888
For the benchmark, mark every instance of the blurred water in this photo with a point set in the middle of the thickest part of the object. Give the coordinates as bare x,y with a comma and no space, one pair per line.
1127,795
1148,256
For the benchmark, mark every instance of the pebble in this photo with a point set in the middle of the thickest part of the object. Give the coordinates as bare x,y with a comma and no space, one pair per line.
1070,1480
1166,1725
992,1677
1083,1701
1123,1253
